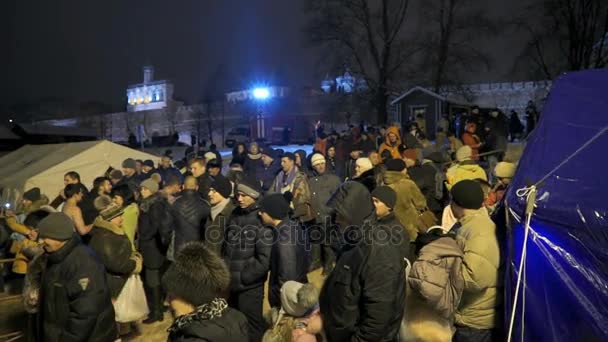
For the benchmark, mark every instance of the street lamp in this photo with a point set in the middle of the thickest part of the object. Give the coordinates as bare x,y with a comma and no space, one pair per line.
261,93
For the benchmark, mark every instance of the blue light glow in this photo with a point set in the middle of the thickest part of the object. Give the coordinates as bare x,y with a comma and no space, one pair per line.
261,93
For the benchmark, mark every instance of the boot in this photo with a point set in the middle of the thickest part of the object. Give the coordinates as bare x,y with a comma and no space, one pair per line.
156,306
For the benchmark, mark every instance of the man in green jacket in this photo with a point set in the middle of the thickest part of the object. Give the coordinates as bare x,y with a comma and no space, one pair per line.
477,317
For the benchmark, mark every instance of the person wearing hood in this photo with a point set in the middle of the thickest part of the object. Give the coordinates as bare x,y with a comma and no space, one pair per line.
293,182
515,126
221,209
247,249
364,173
155,228
189,212
322,185
75,302
392,142
465,168
112,246
410,200
239,154
472,140
363,298
423,174
196,285
504,172
288,259
253,160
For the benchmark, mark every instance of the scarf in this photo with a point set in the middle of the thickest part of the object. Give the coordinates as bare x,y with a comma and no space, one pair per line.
218,208
214,309
286,180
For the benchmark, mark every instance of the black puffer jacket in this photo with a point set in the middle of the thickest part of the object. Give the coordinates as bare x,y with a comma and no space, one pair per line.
364,297
215,230
232,326
75,299
367,178
155,226
189,212
114,249
247,249
204,184
289,260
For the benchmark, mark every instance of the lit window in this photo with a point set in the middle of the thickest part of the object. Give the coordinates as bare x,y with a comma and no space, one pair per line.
140,100
157,96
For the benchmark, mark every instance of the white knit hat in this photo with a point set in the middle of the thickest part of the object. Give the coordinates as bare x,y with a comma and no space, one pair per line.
210,156
365,164
297,298
505,170
464,153
317,159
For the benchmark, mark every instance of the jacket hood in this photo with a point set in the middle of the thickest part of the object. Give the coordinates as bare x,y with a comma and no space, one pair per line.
395,131
107,225
353,201
469,167
392,177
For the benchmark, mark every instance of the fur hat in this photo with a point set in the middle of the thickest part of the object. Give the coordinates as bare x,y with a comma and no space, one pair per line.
107,208
317,159
32,194
464,153
197,276
128,163
505,170
150,184
298,299
365,164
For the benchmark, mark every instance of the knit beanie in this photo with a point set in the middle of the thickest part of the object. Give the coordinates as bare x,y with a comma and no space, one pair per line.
269,152
107,208
365,164
275,205
464,153
298,299
150,184
317,159
467,194
395,165
32,194
116,174
197,276
386,195
128,163
505,170
56,226
222,185
250,187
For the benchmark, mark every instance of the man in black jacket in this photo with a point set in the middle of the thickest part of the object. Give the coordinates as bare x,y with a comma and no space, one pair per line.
190,212
271,167
198,168
75,299
247,251
221,209
155,227
364,297
288,259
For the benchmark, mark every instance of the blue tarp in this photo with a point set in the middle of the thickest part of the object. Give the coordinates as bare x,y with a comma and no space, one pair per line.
565,297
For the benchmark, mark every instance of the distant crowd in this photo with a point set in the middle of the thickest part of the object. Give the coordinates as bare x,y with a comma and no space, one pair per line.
401,228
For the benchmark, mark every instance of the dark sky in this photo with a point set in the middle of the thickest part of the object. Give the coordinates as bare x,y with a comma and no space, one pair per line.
82,50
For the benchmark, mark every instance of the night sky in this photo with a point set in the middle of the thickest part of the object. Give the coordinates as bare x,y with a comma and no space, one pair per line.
81,50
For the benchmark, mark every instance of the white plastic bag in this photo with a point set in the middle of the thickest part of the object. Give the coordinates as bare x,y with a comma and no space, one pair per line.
131,304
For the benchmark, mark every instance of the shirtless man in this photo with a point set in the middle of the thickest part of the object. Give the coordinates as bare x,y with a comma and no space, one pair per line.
74,194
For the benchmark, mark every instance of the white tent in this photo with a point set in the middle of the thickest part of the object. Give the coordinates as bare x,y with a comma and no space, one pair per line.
44,166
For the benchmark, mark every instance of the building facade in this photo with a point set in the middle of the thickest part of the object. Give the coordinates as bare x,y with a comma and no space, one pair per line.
150,94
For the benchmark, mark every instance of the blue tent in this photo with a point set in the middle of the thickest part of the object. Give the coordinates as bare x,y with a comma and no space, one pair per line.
564,296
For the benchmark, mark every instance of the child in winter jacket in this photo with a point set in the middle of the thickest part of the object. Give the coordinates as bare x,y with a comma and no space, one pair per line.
298,319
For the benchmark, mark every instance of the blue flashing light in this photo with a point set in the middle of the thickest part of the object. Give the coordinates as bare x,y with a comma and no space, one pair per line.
261,93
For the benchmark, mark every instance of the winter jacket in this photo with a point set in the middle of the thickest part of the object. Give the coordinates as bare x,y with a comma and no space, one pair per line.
247,249
349,169
481,271
424,177
288,260
473,142
410,201
129,222
253,164
364,297
232,326
393,148
335,167
189,212
498,135
113,248
75,299
464,170
215,230
321,189
155,228
268,174
367,178
204,184
436,275
300,191
165,174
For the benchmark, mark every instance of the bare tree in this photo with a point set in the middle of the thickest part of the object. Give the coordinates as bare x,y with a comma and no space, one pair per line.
366,34
449,41
571,36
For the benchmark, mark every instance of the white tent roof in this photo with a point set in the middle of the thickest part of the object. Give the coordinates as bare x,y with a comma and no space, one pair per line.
44,166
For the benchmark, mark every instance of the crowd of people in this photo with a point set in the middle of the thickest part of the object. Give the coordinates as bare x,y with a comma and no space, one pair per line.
400,226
